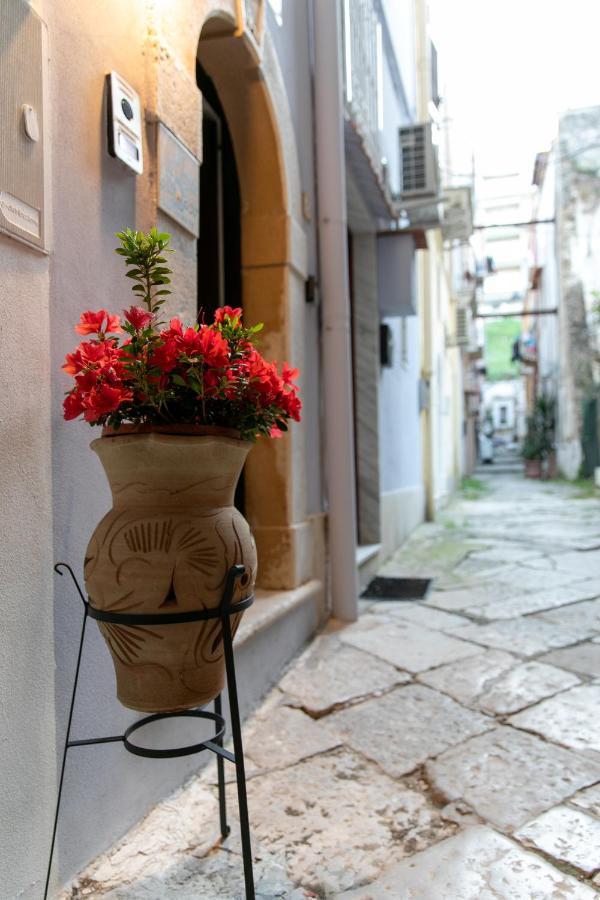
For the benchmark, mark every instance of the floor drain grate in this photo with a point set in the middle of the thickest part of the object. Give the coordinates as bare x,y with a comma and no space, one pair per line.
396,589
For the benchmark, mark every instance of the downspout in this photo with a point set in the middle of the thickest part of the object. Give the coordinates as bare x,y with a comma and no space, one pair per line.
338,423
425,282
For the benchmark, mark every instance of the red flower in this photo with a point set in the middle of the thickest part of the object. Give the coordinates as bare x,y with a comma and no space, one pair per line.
190,342
275,432
234,314
214,348
94,355
73,405
292,405
103,400
100,322
138,317
175,329
288,375
165,355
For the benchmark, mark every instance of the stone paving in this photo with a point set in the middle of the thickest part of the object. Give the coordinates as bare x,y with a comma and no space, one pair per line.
447,749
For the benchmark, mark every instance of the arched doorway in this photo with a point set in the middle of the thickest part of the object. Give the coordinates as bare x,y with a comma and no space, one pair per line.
219,244
247,94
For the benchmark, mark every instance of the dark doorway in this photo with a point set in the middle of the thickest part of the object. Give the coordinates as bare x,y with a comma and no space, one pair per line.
219,244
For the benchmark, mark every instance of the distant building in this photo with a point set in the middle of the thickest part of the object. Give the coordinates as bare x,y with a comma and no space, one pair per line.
565,285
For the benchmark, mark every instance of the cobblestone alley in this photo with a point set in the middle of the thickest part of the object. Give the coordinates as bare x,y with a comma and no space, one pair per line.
444,750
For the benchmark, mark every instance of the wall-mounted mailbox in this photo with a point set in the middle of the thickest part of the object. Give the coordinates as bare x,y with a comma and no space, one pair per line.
124,112
23,58
396,270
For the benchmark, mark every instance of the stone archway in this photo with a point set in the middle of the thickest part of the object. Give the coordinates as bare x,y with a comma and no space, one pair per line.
251,91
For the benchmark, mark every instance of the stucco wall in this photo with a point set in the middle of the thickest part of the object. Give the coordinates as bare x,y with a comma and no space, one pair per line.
26,646
28,779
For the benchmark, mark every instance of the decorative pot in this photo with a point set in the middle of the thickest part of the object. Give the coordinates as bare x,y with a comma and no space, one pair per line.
533,468
166,546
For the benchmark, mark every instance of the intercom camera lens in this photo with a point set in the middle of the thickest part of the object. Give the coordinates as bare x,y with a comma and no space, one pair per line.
127,109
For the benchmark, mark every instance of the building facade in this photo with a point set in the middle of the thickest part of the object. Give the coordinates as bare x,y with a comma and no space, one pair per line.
231,93
565,248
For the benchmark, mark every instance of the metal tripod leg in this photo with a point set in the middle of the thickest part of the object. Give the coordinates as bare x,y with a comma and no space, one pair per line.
225,829
234,712
65,750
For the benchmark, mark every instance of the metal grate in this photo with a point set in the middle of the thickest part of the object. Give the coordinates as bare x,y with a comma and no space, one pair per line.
396,589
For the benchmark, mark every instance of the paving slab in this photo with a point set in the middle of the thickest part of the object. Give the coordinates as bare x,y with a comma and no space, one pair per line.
405,727
419,614
508,552
582,616
331,674
460,598
580,563
477,864
584,658
568,835
526,636
283,736
497,682
340,820
570,718
538,601
524,685
408,646
467,679
524,578
588,800
508,777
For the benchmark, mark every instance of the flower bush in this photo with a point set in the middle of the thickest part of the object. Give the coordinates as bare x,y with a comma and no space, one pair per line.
141,370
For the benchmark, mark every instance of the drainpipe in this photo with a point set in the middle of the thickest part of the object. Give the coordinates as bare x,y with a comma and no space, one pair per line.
335,293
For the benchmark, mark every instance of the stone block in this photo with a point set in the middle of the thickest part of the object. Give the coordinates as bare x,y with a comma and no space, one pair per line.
476,864
331,674
405,727
527,636
583,659
497,682
407,646
508,777
570,718
568,835
339,820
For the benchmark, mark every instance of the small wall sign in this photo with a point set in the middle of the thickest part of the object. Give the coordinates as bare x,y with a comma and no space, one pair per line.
178,181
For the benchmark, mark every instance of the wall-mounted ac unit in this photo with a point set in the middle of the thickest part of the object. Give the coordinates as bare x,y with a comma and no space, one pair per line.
418,155
458,214
462,327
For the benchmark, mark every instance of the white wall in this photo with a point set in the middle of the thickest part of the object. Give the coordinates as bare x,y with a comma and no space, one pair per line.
399,429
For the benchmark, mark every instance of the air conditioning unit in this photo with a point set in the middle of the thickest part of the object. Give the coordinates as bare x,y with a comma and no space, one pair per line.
458,215
462,327
420,170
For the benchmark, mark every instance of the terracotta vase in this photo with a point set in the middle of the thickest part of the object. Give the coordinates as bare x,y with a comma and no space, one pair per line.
166,546
533,468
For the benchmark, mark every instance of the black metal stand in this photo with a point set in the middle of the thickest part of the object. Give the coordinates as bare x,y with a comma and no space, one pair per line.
224,611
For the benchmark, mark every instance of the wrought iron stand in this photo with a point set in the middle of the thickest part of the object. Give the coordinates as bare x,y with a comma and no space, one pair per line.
224,611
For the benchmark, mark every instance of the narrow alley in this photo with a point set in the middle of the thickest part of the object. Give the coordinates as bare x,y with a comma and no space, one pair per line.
448,748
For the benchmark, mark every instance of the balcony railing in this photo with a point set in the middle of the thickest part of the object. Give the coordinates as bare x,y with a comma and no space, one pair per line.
363,72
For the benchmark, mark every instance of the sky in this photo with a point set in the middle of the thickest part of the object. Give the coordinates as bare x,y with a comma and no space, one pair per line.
509,67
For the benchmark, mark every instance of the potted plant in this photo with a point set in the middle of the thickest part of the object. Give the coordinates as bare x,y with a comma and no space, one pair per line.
180,408
532,451
545,411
